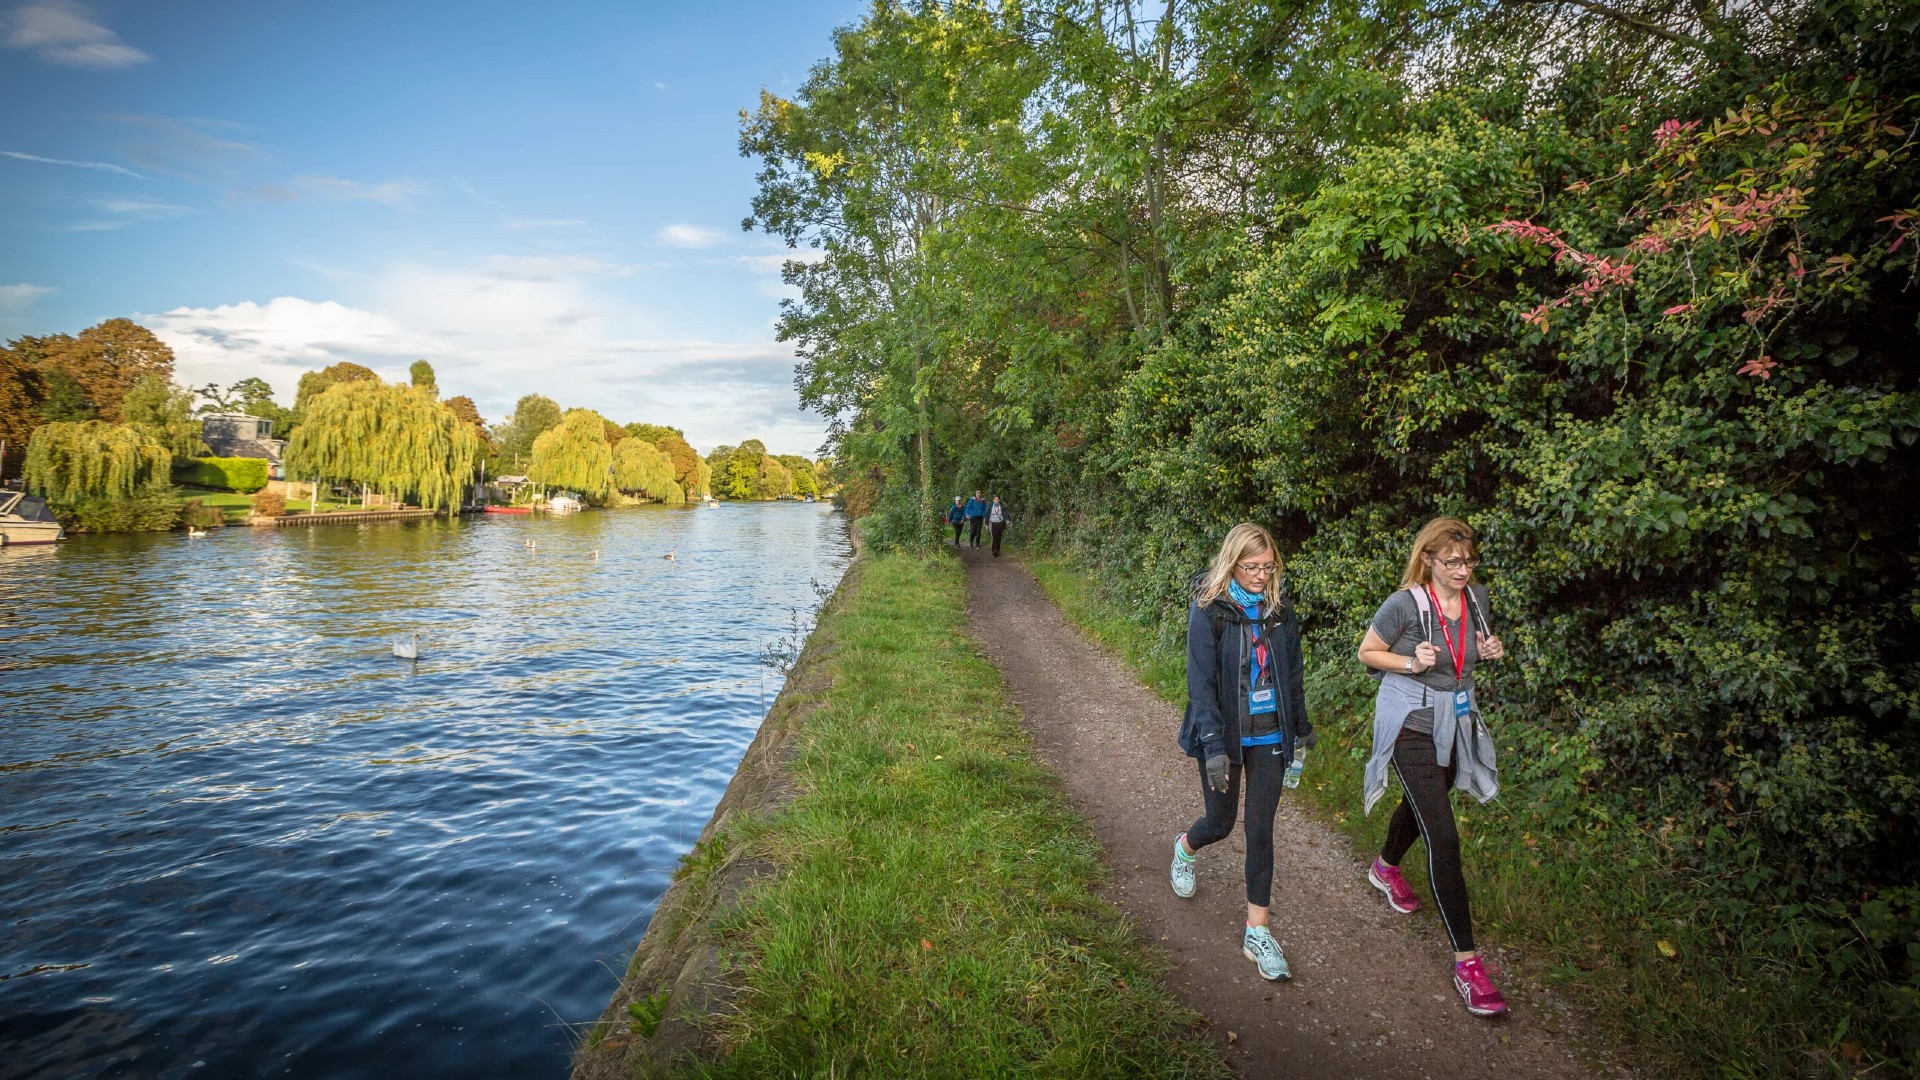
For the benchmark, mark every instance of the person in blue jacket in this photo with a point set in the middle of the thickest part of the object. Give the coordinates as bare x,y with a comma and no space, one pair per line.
956,517
1246,707
976,515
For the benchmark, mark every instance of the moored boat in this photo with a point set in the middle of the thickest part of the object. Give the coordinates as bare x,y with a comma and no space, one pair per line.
26,519
509,509
565,502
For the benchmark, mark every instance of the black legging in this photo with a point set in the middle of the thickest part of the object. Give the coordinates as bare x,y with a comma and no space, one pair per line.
973,531
1426,810
957,526
996,529
1264,770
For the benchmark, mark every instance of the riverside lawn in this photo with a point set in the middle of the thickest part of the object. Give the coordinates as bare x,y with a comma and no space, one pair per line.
933,913
1681,982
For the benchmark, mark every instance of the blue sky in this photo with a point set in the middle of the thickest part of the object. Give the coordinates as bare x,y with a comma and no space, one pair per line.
536,198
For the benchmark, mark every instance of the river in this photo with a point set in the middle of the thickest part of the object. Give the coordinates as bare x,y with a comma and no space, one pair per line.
240,838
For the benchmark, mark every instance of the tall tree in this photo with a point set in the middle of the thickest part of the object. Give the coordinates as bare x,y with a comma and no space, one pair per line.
574,455
642,468
422,377
19,395
533,416
315,383
391,438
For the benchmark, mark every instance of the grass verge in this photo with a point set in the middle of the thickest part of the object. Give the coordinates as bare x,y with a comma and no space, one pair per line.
932,911
1585,906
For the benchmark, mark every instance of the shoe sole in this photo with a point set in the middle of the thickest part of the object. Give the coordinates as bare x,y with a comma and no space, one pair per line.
1282,977
1388,890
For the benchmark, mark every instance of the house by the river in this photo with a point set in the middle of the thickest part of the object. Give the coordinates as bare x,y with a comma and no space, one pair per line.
241,435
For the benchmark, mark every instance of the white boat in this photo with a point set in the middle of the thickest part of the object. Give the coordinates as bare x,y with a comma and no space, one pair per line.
713,503
25,519
565,502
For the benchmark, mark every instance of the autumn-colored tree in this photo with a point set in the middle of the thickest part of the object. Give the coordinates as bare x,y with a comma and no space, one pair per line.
19,389
574,455
88,375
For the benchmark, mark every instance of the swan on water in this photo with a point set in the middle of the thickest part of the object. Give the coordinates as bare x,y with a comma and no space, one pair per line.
409,649
195,533
668,556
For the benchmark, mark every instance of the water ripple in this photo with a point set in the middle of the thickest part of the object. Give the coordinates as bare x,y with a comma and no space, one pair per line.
241,839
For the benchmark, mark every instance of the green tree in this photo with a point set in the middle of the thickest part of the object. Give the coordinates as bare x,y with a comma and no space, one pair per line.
314,383
639,467
254,396
64,400
164,413
533,416
574,455
391,438
420,374
801,470
70,462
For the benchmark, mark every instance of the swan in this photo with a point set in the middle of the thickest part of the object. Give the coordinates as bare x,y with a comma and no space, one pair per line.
596,553
668,556
195,533
409,649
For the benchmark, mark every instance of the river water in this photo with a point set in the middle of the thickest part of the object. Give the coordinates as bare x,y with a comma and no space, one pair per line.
239,838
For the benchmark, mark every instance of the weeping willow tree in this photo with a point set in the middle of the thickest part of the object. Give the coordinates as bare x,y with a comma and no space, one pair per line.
574,455
640,466
68,462
398,440
703,484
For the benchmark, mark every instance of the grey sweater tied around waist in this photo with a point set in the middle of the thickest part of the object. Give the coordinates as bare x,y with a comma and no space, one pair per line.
1469,743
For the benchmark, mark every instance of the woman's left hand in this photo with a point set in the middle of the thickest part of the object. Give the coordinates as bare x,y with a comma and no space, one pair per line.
1491,648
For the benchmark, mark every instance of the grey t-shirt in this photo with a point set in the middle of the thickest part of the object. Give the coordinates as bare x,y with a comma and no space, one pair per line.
1398,624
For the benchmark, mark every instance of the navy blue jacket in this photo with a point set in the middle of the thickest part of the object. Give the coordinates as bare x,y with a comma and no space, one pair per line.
976,508
1219,654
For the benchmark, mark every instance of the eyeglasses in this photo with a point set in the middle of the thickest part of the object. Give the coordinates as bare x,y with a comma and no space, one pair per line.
1263,569
1455,564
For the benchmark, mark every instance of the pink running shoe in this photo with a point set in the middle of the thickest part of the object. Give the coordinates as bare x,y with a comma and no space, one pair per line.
1389,880
1470,978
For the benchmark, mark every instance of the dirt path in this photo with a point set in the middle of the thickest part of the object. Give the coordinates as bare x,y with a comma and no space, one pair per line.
1370,995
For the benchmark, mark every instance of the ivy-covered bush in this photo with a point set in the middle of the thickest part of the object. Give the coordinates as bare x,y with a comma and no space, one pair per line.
241,474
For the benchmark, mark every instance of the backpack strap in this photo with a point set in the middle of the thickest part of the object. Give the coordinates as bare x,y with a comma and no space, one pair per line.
1426,611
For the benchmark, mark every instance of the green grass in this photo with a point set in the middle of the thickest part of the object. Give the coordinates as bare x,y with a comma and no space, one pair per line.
1584,906
238,508
933,914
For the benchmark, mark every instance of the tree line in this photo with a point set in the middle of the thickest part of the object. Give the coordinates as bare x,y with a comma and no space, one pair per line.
1628,286
96,422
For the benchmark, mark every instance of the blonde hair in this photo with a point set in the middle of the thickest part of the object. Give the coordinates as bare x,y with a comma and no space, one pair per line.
1242,540
1440,535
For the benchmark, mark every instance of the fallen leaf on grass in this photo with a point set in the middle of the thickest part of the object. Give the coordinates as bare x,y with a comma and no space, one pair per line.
1666,948
925,945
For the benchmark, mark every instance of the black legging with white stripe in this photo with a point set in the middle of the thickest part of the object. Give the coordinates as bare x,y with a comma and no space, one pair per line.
1425,810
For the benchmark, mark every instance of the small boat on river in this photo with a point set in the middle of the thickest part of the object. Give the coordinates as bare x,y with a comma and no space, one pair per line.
565,502
26,519
509,509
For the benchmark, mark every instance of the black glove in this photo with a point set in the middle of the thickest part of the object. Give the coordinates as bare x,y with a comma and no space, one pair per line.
1308,741
1217,772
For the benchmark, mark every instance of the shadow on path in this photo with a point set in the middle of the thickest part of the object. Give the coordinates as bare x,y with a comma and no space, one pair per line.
1371,994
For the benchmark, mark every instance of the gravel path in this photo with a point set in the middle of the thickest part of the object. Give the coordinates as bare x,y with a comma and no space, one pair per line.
1370,994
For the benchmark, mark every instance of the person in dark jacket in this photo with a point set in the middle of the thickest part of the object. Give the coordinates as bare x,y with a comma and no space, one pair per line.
976,514
956,517
1246,708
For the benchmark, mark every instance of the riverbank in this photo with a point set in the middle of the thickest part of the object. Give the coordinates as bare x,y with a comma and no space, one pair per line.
893,884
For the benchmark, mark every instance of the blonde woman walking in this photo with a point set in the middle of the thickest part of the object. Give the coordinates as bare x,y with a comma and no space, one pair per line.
1423,645
1246,707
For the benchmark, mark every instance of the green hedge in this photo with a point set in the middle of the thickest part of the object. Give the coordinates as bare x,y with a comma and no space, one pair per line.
242,474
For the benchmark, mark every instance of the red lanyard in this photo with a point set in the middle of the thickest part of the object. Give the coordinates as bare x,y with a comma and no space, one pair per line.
1460,657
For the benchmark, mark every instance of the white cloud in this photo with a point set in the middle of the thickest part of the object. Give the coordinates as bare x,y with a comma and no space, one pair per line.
567,326
776,263
522,224
63,32
659,86
389,192
18,297
687,236
103,166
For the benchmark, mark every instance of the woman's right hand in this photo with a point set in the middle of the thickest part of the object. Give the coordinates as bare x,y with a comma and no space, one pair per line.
1425,656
